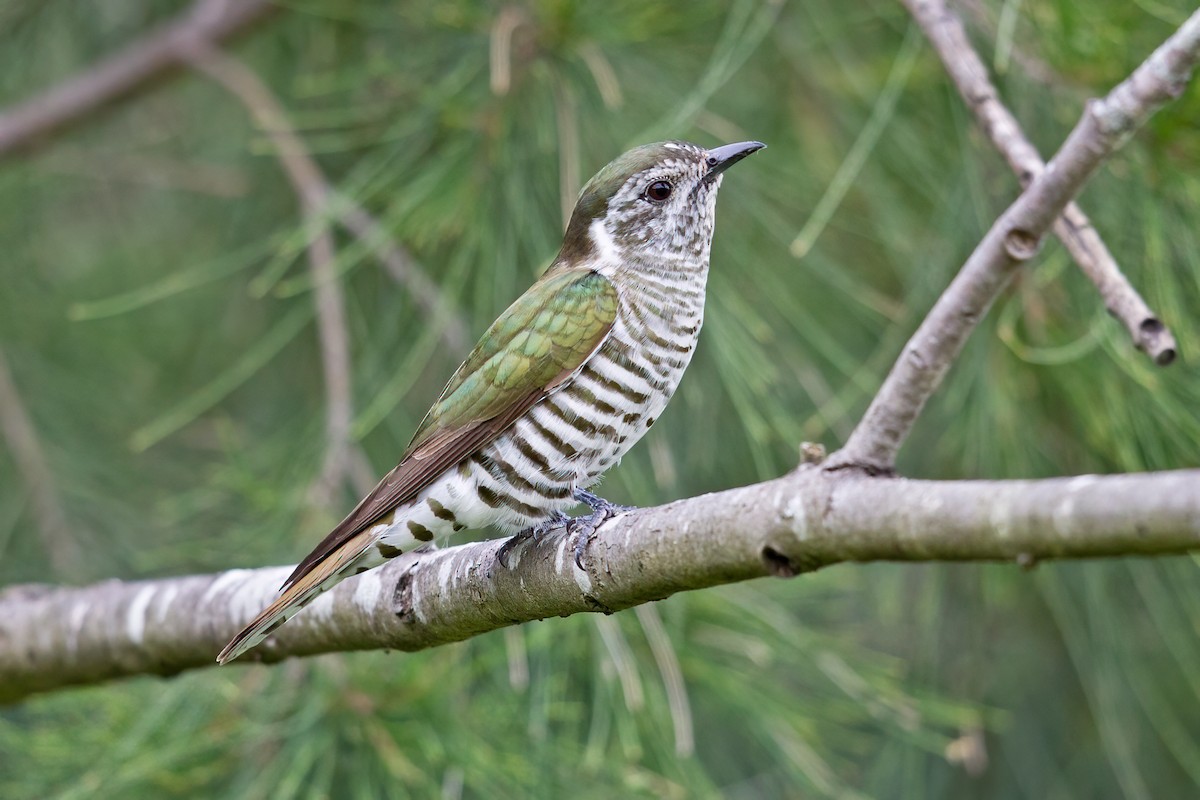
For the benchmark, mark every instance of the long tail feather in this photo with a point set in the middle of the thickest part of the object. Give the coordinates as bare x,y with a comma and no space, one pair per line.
298,593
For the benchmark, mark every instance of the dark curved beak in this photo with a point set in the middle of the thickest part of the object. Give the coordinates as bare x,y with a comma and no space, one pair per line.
722,158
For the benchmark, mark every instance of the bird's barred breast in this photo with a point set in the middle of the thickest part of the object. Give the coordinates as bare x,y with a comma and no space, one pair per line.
573,436
577,433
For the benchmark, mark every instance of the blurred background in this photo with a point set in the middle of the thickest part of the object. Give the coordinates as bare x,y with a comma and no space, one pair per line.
157,293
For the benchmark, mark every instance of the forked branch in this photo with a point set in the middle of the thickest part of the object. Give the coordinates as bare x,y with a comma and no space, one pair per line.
1014,239
945,32
811,518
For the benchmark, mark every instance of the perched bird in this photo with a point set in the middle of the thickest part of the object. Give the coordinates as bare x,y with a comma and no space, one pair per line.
560,386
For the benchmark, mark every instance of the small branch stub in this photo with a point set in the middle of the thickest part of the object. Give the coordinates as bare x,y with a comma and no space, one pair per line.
812,452
1021,245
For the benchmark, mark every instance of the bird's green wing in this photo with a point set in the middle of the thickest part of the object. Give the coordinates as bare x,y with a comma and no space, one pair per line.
537,343
541,339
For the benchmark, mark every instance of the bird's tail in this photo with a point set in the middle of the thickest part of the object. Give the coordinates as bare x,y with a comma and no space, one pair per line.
296,595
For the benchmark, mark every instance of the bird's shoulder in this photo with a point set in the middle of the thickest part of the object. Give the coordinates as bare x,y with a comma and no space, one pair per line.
540,340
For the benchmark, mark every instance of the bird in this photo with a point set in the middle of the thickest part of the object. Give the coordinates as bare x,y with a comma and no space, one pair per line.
560,386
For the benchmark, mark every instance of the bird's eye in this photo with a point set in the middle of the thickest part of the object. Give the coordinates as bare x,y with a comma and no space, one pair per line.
658,191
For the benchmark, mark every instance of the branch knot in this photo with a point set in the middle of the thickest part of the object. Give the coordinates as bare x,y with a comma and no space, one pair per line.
1021,244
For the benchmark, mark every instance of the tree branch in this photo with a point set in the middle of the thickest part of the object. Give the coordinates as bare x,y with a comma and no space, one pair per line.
154,56
814,517
945,32
1012,240
51,638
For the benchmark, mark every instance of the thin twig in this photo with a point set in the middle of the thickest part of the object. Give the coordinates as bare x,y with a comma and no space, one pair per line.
151,57
406,272
313,192
945,32
803,521
1012,240
49,518
166,50
319,202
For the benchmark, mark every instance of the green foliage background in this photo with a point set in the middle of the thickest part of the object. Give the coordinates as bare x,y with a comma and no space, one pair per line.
156,314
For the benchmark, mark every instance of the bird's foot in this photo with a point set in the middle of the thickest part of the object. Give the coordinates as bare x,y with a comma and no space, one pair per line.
521,539
597,503
584,528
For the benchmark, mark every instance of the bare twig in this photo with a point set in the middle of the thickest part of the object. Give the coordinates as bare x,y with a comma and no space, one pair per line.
319,201
313,192
806,520
1012,240
153,56
50,520
945,32
405,271
164,51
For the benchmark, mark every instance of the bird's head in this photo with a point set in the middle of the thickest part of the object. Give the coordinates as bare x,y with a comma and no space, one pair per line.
655,203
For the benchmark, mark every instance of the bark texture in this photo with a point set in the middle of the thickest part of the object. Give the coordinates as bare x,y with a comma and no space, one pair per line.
54,637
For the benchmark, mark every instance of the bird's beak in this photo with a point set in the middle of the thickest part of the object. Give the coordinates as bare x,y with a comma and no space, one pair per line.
722,158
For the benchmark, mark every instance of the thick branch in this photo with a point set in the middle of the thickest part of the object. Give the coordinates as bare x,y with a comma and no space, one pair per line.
945,32
51,638
155,55
1013,239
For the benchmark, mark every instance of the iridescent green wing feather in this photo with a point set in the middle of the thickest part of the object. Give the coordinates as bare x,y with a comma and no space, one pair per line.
540,341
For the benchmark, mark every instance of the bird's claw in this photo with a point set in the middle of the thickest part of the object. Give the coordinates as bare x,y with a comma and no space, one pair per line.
597,503
584,528
518,541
